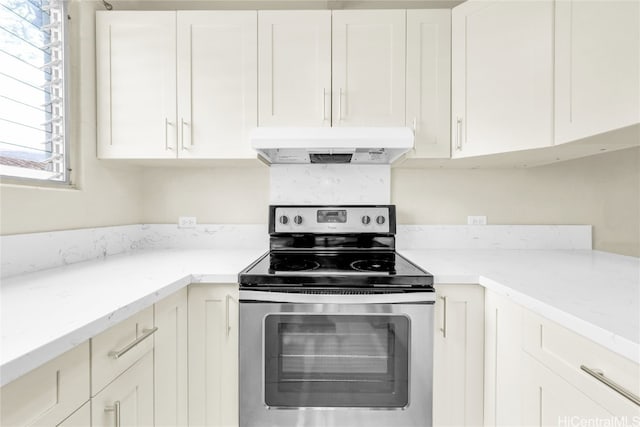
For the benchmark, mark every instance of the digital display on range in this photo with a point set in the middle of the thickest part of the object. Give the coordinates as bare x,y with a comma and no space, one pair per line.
325,216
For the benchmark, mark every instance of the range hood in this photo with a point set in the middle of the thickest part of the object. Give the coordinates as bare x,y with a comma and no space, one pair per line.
358,145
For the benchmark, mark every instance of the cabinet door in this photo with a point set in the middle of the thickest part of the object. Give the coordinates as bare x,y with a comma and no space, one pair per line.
597,67
136,84
502,76
429,81
294,67
170,360
217,93
213,355
368,68
458,356
548,400
503,362
48,394
128,400
80,418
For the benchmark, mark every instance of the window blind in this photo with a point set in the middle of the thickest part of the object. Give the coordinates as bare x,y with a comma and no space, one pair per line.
32,90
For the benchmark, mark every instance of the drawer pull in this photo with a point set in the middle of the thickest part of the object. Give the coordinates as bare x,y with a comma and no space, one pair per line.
116,409
444,317
597,374
146,333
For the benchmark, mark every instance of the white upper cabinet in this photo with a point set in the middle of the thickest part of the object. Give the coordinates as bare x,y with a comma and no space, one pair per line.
597,67
294,68
502,76
324,68
429,81
176,84
216,83
136,84
368,67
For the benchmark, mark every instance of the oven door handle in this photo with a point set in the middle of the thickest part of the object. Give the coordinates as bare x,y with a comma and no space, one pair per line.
303,298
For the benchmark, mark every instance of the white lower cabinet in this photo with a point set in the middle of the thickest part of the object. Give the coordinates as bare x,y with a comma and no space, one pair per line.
458,356
170,360
503,362
564,360
80,418
549,400
48,395
213,355
128,400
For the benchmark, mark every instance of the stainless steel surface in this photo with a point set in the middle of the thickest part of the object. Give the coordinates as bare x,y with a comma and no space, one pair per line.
116,411
444,317
599,375
146,333
458,132
301,298
324,104
185,147
228,301
167,123
309,220
254,412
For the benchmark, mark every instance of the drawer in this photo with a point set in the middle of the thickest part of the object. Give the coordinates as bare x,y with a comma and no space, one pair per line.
48,394
565,352
119,347
128,400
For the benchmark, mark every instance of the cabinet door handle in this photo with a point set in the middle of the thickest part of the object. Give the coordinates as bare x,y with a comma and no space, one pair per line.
146,333
340,105
444,317
229,300
599,375
185,147
324,104
116,409
415,126
459,134
167,123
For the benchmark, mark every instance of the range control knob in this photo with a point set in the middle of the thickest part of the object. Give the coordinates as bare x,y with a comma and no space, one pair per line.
297,219
380,219
366,219
284,219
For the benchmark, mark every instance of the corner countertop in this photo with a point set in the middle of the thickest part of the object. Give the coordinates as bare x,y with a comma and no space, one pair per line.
46,313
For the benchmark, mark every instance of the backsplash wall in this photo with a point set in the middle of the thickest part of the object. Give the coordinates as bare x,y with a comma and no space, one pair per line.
602,190
330,184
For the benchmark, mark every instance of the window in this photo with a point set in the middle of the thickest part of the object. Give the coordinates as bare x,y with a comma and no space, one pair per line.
32,90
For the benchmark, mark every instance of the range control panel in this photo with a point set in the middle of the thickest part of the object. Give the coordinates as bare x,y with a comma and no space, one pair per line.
332,219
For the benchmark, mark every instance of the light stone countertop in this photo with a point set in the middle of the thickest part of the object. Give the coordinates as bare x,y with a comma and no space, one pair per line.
46,313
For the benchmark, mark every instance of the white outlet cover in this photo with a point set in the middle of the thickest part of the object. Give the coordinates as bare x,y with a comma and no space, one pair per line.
476,220
187,222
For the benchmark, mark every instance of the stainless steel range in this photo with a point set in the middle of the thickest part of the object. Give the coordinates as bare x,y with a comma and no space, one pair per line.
336,328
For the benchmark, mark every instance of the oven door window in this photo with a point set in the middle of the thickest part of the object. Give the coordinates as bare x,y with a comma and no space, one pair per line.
315,360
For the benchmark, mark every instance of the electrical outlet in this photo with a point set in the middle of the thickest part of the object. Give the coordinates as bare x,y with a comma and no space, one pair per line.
187,222
477,220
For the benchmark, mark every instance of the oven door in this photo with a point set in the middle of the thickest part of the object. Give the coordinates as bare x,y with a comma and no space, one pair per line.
318,360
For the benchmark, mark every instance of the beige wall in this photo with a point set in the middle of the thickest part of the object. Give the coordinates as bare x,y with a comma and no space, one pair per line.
105,193
213,195
602,190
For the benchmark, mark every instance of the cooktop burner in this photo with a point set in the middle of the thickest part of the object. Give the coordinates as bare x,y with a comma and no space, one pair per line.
294,265
373,265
